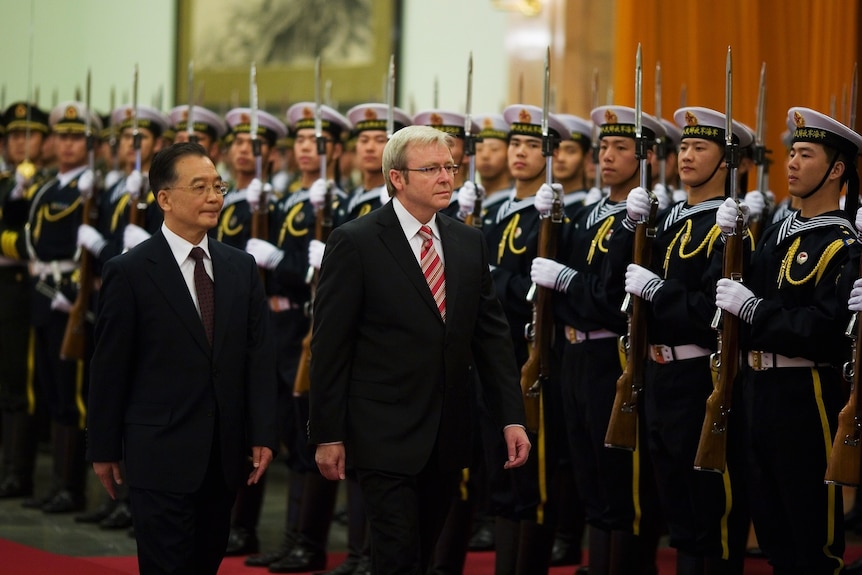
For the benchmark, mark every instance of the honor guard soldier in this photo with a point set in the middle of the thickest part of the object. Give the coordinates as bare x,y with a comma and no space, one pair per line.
247,186
615,485
56,211
208,128
792,306
16,406
369,124
492,158
130,198
570,163
288,256
673,136
707,513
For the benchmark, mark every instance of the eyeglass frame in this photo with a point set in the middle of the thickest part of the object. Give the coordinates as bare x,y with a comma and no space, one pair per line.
452,169
221,189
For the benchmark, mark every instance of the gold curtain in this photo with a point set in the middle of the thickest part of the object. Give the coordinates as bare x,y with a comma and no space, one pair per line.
809,48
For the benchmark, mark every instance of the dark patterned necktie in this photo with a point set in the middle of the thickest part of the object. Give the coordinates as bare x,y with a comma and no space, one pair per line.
204,289
432,268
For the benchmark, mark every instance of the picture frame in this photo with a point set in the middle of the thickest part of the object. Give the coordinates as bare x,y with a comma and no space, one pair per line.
221,39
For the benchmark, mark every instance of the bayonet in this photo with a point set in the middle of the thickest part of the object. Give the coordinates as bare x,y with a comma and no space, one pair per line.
594,103
640,143
854,93
660,142
390,98
26,168
469,138
190,117
91,140
436,101
136,134
760,131
254,126
318,120
548,141
845,117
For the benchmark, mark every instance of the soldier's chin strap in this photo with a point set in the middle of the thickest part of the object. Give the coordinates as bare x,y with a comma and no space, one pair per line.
823,179
709,177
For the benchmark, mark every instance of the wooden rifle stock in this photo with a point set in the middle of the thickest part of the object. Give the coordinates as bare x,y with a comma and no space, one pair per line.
322,229
74,342
843,467
623,423
540,332
712,446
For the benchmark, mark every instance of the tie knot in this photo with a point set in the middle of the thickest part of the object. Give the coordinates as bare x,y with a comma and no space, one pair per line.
425,232
197,253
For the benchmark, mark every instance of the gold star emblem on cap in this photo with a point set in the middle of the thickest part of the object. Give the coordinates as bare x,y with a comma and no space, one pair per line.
370,114
307,113
798,119
436,120
71,113
690,119
610,117
525,117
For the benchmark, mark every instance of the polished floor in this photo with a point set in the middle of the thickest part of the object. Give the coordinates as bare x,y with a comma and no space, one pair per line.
60,534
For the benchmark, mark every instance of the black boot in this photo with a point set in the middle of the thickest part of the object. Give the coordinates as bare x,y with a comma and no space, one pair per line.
69,469
450,554
246,514
99,513
600,551
534,548
295,487
506,535
315,518
19,454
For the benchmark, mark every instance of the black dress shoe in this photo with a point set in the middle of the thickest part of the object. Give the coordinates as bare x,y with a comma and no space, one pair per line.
65,502
99,513
120,517
564,553
266,559
14,486
39,502
482,539
299,560
241,541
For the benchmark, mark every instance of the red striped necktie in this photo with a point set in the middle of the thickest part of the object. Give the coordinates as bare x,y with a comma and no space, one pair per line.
432,268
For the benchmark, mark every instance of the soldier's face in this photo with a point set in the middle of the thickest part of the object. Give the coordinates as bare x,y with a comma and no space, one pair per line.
127,149
492,158
369,150
698,159
526,161
569,161
305,150
241,154
617,159
806,166
20,149
71,150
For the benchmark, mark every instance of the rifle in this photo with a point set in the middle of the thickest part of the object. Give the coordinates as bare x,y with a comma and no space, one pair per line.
712,446
540,331
756,224
474,218
622,426
594,101
260,216
74,341
322,229
140,204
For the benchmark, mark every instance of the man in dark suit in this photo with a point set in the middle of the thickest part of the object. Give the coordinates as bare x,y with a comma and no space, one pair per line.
183,375
392,353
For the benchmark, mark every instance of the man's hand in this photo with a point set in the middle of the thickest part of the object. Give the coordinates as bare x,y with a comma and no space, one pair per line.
252,194
261,457
662,195
317,193
134,235
638,205
109,475
544,200
315,253
134,182
85,184
330,460
642,282
265,254
517,445
61,303
90,239
551,274
467,196
756,202
733,297
725,216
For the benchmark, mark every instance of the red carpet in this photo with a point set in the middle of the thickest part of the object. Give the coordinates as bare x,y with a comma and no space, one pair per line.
22,560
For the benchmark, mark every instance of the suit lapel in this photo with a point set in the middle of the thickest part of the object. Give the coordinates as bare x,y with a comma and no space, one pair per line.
392,236
165,273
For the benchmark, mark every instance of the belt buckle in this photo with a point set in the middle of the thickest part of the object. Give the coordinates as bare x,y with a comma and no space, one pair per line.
757,361
572,334
658,354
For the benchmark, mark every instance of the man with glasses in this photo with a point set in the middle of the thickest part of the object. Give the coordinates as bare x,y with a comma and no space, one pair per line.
182,386
405,305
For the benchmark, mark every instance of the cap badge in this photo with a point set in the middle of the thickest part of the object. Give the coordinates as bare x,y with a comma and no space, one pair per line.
185,114
525,117
20,111
487,124
690,119
370,114
129,113
611,117
71,113
307,113
798,119
436,119
244,118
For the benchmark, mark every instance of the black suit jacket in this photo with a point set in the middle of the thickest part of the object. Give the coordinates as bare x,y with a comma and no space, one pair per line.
159,393
388,377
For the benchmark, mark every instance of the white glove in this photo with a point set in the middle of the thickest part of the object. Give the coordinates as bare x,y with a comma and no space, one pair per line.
551,274
544,200
252,194
594,196
855,302
638,206
859,219
265,254
90,239
112,178
735,298
60,303
134,182
317,193
467,196
679,195
85,184
642,282
756,202
661,194
133,235
21,184
280,181
315,253
725,216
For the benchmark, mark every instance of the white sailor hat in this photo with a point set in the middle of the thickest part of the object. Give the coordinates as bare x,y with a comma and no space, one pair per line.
148,118
580,130
620,121
301,116
492,126
526,120
204,120
71,118
373,117
672,133
268,126
710,125
450,122
812,126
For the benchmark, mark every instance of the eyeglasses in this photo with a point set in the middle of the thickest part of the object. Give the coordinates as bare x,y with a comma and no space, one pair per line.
200,189
434,170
